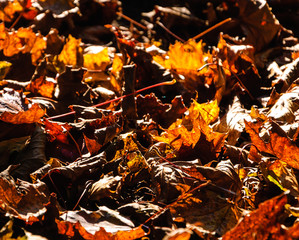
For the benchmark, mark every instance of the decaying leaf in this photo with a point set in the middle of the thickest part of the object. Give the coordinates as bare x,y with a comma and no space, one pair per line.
261,222
277,142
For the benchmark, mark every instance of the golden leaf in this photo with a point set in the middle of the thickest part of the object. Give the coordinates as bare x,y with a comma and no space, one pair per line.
23,40
7,14
72,52
117,67
184,57
97,61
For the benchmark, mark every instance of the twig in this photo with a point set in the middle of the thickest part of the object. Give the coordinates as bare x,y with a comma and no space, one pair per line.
116,99
211,28
170,32
132,21
16,21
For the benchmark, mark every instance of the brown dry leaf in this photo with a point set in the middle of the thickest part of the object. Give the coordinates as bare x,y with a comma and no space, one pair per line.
56,6
43,86
32,115
207,206
259,24
282,175
103,188
277,142
22,199
57,131
93,221
232,122
72,53
285,107
262,222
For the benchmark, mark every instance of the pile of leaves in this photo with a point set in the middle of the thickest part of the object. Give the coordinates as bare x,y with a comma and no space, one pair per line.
149,120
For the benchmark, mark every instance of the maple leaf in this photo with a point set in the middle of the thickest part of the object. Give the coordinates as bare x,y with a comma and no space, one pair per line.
72,53
262,222
187,131
96,61
278,143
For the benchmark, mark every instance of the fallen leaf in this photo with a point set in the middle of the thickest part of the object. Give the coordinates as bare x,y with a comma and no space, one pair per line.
278,143
262,222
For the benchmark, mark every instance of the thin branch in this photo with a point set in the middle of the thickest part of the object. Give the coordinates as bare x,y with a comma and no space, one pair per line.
132,21
116,99
211,28
170,32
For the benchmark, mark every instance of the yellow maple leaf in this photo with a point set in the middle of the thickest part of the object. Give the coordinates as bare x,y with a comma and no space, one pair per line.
72,52
97,61
187,131
185,57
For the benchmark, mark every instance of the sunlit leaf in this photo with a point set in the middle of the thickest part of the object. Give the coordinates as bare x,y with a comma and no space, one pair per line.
12,7
23,40
32,115
184,57
262,222
96,61
117,66
4,69
278,143
72,52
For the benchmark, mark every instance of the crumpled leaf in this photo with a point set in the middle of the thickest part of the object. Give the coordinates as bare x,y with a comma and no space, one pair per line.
277,142
282,175
16,109
23,40
23,200
32,156
211,195
41,84
192,134
164,114
259,24
104,187
92,221
289,75
232,122
285,106
70,84
262,222
72,53
11,7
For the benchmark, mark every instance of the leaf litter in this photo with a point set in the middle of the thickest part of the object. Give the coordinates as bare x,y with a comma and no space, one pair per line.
142,121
